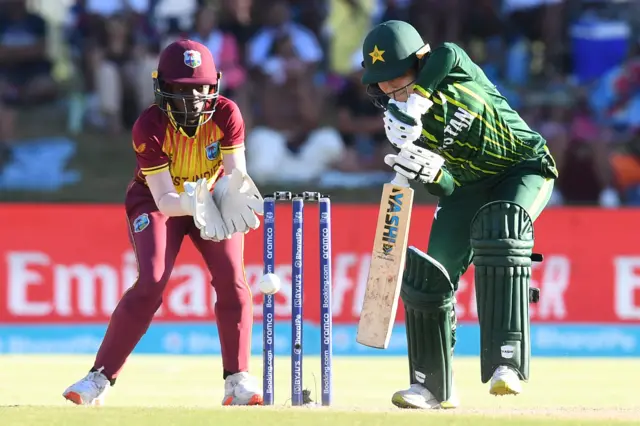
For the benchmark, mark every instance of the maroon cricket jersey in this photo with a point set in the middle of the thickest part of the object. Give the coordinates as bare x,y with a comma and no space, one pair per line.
160,145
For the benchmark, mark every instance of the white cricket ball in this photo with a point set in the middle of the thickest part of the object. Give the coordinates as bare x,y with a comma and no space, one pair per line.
270,284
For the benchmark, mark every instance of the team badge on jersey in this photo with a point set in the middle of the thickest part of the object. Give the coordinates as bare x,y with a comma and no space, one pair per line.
192,58
141,223
213,150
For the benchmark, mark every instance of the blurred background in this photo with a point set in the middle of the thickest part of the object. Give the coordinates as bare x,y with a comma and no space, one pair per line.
74,75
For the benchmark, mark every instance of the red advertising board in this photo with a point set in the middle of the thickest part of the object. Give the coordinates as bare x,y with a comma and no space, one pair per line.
71,263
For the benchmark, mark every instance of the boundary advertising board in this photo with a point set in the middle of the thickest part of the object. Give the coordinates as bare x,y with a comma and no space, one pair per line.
64,267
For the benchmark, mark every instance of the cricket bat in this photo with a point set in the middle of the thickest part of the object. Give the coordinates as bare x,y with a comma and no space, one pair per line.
387,265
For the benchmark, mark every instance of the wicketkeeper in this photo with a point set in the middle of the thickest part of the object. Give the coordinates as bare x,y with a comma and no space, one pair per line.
190,181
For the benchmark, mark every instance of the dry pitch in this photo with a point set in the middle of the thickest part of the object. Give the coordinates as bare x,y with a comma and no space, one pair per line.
162,390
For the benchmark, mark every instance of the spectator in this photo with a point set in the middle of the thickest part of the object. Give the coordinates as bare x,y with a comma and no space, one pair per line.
483,21
537,21
310,14
237,20
105,8
79,33
438,21
392,10
289,145
172,19
626,169
582,151
25,70
623,96
122,76
348,22
360,124
223,47
279,23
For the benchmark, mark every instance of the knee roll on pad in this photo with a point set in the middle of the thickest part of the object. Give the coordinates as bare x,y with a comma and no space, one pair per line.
502,241
427,295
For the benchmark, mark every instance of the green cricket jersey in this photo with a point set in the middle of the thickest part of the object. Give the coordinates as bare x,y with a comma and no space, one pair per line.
470,123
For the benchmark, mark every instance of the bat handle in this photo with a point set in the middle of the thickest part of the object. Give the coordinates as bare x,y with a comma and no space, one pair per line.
400,180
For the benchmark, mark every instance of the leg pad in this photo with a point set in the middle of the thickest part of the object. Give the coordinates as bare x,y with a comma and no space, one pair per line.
502,242
427,295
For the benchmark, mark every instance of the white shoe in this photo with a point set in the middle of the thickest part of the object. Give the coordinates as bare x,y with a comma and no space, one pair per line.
89,391
505,381
417,396
242,389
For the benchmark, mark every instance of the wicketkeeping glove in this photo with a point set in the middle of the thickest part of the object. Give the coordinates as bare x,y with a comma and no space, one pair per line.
415,163
198,202
239,201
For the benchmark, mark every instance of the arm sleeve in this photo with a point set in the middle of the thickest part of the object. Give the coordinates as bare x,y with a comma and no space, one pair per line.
438,65
235,160
443,186
148,138
165,195
232,126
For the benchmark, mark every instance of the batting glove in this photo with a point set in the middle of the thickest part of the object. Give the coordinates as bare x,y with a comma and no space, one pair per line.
415,163
403,120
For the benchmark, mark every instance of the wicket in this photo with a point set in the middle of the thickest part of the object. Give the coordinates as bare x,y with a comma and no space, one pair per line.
297,287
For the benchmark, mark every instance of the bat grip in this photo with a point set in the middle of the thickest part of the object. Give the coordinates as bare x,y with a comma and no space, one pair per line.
400,180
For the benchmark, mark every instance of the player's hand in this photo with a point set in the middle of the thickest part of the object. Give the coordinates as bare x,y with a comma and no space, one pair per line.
415,163
198,202
403,120
239,201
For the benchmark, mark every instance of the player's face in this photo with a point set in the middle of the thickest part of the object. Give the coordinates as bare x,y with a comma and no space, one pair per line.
399,88
189,99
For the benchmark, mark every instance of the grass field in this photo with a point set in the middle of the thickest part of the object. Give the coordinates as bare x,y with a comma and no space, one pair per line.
166,390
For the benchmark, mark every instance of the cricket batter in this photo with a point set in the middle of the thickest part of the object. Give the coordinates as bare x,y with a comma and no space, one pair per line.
457,135
189,140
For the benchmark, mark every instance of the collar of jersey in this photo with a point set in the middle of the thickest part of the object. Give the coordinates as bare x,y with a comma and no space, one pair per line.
179,128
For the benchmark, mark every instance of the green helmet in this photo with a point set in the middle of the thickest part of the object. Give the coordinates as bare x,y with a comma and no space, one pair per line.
390,50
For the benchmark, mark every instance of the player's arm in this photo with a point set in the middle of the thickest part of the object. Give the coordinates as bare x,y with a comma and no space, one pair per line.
167,199
403,120
436,68
443,185
148,137
165,195
195,201
235,160
232,145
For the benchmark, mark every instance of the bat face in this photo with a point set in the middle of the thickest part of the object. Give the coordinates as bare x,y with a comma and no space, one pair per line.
387,263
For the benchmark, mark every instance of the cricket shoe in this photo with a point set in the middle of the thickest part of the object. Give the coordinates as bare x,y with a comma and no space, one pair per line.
242,389
89,391
505,381
419,397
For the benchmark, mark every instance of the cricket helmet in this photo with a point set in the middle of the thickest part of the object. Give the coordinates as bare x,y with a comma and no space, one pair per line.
390,50
186,62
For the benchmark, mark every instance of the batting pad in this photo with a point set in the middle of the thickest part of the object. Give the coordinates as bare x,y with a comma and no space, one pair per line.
427,295
502,241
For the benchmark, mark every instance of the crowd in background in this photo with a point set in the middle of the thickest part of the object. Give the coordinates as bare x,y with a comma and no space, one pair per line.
570,67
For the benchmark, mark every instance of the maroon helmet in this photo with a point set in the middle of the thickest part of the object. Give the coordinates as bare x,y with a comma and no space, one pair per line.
186,62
